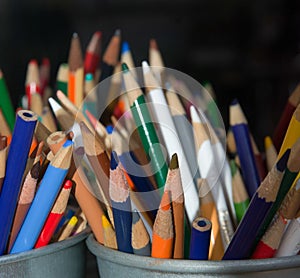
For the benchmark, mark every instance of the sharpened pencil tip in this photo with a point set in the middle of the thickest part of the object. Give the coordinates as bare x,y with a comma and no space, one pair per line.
113,160
125,67
282,162
234,102
125,47
75,35
174,162
135,216
117,32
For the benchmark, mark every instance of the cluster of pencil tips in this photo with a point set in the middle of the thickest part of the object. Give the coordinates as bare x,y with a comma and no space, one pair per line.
147,167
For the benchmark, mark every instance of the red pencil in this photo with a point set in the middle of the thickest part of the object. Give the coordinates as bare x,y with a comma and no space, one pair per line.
55,215
32,84
92,55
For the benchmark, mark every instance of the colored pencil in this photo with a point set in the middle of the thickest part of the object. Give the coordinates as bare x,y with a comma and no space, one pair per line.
64,119
145,128
231,146
126,58
44,73
241,133
293,132
6,104
36,104
163,117
243,241
55,215
44,199
240,195
26,197
140,240
286,115
3,155
208,210
15,166
156,61
4,128
76,71
163,233
210,169
67,231
290,174
200,239
290,243
48,119
269,243
92,54
62,78
173,184
184,131
99,161
271,153
121,206
110,239
32,84
260,164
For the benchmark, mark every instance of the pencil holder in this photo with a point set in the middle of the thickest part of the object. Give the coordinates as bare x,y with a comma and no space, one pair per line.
112,263
60,259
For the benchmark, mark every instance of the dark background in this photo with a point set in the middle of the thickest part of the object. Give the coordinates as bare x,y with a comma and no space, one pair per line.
246,49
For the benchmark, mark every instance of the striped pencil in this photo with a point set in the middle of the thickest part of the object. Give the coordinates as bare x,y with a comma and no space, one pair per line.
145,128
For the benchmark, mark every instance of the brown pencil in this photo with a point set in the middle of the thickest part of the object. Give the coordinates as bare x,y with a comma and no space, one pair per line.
173,184
4,128
3,155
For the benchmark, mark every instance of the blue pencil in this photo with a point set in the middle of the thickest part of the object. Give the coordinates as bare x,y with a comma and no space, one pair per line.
241,134
244,239
15,166
200,239
121,205
44,199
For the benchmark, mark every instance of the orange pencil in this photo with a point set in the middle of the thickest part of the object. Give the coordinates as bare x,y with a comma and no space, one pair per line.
163,234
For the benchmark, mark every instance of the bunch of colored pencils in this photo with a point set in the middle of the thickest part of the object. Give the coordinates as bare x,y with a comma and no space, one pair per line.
152,176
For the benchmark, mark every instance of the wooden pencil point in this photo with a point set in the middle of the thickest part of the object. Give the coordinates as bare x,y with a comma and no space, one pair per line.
174,162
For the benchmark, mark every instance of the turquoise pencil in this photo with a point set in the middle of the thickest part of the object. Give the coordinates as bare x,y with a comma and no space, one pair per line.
44,199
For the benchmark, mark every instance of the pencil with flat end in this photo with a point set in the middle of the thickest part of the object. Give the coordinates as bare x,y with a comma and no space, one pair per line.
200,239
15,166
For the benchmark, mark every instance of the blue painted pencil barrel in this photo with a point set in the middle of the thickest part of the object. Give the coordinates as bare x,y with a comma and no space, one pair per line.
15,166
200,239
41,204
246,156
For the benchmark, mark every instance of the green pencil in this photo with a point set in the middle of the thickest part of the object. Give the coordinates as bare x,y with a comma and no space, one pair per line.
62,78
291,172
5,103
240,195
145,128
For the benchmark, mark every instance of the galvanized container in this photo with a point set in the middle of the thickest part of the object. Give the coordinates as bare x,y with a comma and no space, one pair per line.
61,259
112,263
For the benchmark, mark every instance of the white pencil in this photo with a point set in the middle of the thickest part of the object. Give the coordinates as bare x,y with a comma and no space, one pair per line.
168,131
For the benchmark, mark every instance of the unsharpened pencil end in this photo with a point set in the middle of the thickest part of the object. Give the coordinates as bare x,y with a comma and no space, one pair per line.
125,67
174,162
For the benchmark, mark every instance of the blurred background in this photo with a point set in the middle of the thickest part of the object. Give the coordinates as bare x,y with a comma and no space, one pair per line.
246,49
